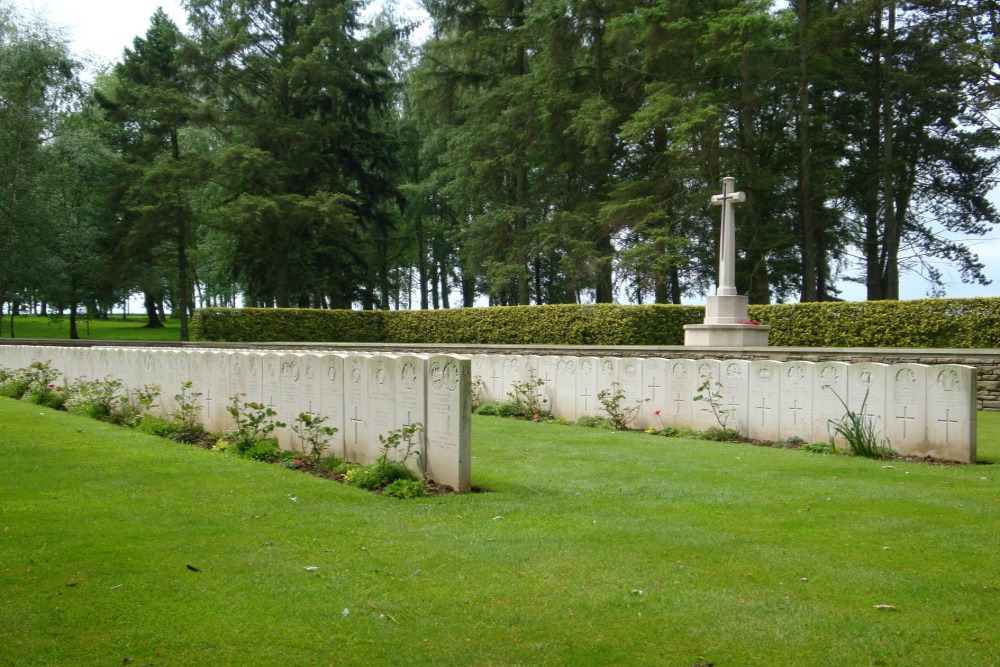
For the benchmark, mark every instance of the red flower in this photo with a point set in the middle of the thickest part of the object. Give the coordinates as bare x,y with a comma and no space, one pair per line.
535,416
656,412
754,323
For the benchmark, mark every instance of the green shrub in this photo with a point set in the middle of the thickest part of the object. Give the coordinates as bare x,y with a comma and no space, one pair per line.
405,488
820,448
163,428
720,435
263,449
378,475
595,422
330,464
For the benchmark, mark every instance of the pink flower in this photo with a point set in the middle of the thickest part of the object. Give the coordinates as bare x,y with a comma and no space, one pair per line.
754,323
656,412
535,416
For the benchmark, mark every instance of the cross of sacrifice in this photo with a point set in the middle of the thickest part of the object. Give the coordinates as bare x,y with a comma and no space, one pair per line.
727,241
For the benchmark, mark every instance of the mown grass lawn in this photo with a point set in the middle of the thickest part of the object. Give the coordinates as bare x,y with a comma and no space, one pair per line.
585,547
113,328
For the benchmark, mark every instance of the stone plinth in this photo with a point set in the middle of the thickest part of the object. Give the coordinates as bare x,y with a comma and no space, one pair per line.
725,335
726,309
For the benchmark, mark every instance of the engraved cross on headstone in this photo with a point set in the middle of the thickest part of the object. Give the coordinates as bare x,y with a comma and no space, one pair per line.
905,418
727,241
946,421
357,420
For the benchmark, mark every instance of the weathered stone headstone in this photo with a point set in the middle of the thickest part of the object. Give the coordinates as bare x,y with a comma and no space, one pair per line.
480,376
608,374
765,400
449,422
216,391
253,371
951,413
196,376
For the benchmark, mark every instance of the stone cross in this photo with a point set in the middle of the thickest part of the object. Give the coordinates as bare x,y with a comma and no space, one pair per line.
727,242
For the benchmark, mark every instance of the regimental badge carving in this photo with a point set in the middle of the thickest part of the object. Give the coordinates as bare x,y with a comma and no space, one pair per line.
586,368
272,369
310,371
566,367
331,373
437,375
764,375
865,377
380,373
734,372
408,374
608,366
631,368
512,364
706,372
906,380
148,362
829,376
290,370
451,376
948,379
679,370
356,375
795,374
237,368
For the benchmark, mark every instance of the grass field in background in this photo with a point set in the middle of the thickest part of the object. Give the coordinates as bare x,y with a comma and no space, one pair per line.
584,547
113,328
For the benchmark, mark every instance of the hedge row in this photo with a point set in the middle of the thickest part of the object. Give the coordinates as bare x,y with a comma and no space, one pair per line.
935,323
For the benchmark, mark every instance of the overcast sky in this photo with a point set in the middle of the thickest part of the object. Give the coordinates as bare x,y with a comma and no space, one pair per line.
98,30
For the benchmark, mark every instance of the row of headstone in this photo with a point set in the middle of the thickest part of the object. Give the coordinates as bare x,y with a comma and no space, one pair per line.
921,410
363,396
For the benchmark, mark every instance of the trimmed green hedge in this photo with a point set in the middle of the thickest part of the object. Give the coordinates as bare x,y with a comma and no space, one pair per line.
935,323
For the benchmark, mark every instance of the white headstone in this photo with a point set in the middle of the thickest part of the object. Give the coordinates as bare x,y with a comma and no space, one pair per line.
253,382
331,400
681,388
567,369
480,376
196,375
514,367
654,385
449,422
867,395
951,412
765,400
411,402
217,391
736,394
706,412
906,425
381,402
630,382
795,411
586,387
356,408
830,392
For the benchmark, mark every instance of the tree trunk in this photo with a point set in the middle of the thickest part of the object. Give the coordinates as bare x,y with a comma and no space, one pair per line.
758,284
807,218
890,274
152,317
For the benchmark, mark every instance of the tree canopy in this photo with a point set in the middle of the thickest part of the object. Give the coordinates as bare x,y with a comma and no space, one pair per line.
289,153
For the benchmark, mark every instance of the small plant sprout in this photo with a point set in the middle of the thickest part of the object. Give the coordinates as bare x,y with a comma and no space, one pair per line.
187,407
527,396
613,401
400,444
313,436
710,392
